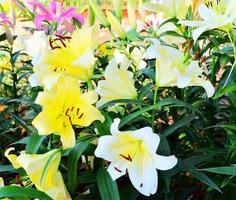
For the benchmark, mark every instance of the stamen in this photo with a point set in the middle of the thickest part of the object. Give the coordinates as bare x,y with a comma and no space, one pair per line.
126,157
68,116
81,116
141,185
77,113
117,169
51,45
72,109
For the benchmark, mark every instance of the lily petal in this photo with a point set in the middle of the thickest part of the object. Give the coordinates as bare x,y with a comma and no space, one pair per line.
165,162
143,174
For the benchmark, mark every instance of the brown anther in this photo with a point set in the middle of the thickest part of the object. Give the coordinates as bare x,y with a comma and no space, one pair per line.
141,185
126,157
51,45
77,112
72,109
68,116
117,169
81,116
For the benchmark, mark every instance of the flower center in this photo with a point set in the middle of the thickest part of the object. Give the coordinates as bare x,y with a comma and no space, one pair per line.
73,113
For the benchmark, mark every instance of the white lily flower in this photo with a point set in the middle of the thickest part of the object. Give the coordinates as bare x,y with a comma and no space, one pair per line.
36,46
172,71
221,16
170,8
136,57
134,152
119,84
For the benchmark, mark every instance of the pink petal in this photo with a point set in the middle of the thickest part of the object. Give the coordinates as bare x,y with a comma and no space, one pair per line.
79,17
53,8
43,10
69,27
68,12
38,21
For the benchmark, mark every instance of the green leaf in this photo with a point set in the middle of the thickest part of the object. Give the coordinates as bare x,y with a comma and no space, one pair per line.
34,143
73,159
227,89
125,101
165,102
107,187
180,123
16,192
226,126
187,166
228,170
6,168
21,122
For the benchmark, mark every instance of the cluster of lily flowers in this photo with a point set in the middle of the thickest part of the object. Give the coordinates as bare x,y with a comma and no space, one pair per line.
65,59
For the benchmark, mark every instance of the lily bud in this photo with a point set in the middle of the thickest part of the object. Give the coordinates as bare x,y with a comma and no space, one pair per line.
115,25
99,13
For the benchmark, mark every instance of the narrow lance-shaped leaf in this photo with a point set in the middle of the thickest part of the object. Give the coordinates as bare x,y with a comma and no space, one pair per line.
107,187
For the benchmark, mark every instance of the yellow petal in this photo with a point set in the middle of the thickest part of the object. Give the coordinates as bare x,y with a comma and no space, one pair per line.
12,158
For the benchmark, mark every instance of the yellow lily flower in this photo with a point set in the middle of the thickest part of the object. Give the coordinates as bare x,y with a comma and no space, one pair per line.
220,15
172,71
42,170
63,107
71,56
170,8
118,84
75,58
134,152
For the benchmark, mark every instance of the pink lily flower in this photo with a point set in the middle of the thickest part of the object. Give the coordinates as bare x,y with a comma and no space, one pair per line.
4,20
55,13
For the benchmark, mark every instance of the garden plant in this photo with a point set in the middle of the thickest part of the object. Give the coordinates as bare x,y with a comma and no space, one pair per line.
118,100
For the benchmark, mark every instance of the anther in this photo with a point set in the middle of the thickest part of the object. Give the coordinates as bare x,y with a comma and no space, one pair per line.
126,157
141,185
117,169
81,116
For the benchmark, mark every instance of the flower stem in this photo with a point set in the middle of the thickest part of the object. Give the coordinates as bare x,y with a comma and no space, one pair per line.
154,103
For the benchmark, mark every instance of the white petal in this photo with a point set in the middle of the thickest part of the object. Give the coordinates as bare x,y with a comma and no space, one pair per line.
33,80
206,13
114,127
152,52
183,81
146,134
206,84
198,32
193,69
104,150
192,23
165,162
167,27
116,170
143,174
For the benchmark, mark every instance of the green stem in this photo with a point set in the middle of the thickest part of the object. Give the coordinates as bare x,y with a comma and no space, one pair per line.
90,85
154,103
232,68
14,76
